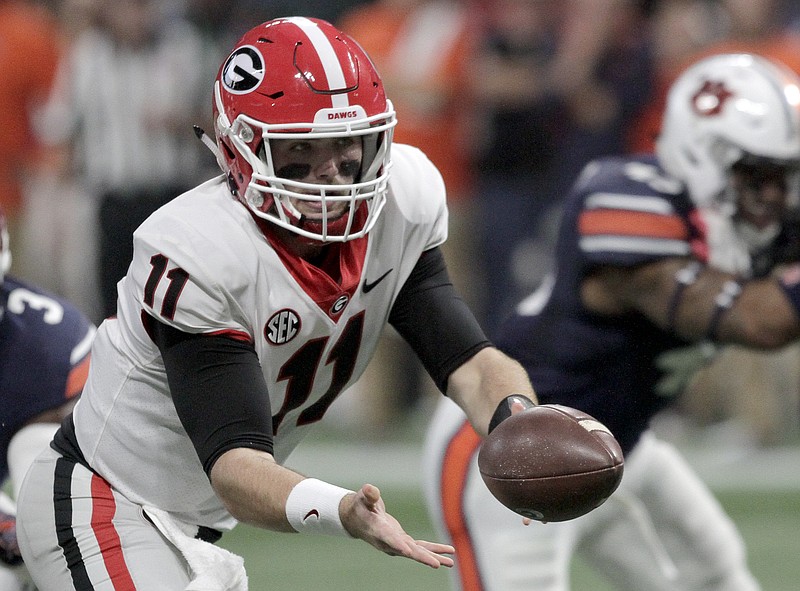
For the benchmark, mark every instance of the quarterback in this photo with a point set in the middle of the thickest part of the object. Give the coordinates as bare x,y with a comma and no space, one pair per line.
660,258
251,302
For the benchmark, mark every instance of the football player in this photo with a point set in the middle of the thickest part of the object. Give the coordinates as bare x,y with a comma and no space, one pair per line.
44,357
251,302
659,259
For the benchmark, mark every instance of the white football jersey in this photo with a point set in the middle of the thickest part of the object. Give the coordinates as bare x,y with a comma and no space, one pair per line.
202,265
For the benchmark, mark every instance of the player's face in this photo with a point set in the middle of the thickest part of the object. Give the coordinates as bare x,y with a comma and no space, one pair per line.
327,161
762,192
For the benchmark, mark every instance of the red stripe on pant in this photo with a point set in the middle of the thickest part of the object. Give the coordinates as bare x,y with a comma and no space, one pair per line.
104,507
455,469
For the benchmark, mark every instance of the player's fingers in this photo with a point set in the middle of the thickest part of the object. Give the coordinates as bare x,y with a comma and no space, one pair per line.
437,547
440,551
420,552
372,495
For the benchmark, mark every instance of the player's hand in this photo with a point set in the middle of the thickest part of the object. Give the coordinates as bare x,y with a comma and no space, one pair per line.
364,516
9,548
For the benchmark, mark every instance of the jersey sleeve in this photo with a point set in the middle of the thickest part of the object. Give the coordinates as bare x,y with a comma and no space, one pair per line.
45,346
186,280
420,193
631,214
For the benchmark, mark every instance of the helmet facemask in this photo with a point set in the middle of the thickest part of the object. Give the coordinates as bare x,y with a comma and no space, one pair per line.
759,219
272,194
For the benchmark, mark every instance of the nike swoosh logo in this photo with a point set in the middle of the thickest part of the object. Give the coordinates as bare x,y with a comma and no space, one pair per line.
312,513
368,287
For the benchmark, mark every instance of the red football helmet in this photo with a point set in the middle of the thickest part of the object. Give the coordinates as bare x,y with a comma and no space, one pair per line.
302,78
5,249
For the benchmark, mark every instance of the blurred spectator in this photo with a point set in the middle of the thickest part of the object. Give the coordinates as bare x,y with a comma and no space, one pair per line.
30,49
423,49
558,82
55,244
134,84
678,30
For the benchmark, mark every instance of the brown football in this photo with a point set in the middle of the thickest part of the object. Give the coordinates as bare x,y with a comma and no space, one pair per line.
551,463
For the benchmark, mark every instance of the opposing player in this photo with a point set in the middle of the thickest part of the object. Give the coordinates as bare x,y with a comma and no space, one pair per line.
656,255
252,301
44,357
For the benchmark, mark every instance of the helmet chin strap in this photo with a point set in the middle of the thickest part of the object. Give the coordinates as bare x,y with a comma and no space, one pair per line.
209,143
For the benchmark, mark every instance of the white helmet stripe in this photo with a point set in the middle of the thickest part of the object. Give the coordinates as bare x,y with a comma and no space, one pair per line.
330,63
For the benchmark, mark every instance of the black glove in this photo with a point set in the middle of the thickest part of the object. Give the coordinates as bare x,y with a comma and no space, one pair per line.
503,410
9,547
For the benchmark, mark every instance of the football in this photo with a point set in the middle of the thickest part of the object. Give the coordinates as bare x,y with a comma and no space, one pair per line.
551,463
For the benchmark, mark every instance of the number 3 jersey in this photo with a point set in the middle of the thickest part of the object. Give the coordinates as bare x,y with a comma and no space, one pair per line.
203,265
44,356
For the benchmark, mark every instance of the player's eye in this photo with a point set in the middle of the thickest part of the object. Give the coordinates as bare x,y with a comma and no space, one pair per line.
343,143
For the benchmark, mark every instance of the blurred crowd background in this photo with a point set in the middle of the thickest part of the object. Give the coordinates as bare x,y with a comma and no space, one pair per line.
510,98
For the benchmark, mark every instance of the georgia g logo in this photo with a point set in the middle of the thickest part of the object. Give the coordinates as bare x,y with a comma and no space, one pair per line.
243,71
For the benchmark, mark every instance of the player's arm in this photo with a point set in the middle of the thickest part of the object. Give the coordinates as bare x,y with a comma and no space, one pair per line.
33,437
222,400
431,315
697,302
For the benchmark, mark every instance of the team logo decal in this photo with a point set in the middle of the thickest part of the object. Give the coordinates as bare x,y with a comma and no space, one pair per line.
339,304
243,71
282,327
710,99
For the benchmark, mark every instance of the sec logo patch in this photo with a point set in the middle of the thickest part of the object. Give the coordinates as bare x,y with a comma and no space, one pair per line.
282,327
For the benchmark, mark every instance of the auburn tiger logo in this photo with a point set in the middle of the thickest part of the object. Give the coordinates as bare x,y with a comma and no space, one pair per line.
710,99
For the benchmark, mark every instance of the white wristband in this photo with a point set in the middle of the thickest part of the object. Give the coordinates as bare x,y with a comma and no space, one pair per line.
313,507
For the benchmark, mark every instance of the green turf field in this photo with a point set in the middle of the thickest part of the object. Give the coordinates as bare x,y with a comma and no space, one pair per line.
769,521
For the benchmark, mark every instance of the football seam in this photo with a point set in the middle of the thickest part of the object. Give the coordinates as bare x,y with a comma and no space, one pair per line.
521,478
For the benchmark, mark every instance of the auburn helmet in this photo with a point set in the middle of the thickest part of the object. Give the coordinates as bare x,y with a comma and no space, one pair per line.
725,109
293,78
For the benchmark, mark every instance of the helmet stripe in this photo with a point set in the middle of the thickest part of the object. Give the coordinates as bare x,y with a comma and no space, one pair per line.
328,58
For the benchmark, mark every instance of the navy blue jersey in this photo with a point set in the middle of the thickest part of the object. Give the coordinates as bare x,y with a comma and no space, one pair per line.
44,356
621,212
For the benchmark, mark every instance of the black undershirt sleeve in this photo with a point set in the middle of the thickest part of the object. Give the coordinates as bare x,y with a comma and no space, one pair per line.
218,390
431,316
